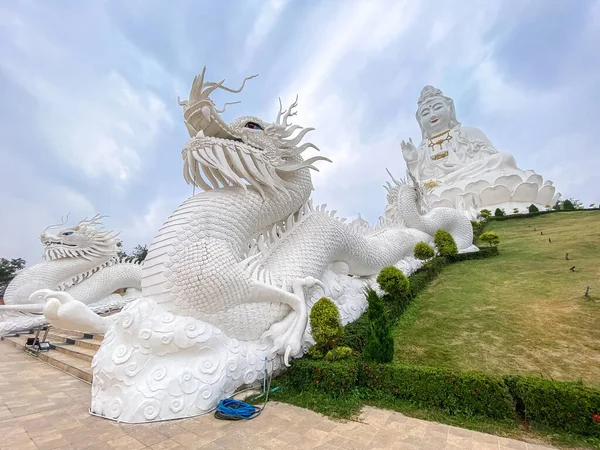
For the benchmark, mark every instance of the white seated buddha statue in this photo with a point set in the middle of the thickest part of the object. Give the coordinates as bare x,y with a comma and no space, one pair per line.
462,169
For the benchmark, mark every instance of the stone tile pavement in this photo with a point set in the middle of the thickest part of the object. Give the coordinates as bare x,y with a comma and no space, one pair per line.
43,408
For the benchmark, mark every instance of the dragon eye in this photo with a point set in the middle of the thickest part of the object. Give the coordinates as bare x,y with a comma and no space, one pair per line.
67,233
253,126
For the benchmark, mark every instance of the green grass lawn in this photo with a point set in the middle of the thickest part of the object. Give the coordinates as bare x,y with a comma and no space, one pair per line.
521,312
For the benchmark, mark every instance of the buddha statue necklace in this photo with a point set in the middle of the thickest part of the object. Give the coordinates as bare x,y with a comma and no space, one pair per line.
439,139
443,137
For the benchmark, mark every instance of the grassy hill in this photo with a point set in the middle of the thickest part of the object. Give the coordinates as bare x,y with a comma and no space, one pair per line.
521,312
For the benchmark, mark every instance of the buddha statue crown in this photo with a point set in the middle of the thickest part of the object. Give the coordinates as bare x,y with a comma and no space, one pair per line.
429,92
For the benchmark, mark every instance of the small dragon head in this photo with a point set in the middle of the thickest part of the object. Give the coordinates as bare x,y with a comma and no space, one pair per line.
409,189
246,152
86,240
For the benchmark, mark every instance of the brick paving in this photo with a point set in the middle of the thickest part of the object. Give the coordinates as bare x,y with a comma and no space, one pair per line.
44,408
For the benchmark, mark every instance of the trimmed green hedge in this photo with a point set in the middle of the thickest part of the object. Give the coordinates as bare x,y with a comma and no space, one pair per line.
467,393
485,252
335,377
541,213
566,406
450,391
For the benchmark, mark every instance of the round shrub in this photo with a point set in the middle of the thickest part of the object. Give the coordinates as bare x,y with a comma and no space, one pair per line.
338,353
326,326
393,282
533,208
485,213
445,243
499,213
423,251
490,238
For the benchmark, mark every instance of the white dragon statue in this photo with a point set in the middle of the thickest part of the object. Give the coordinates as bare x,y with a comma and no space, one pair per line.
81,260
231,275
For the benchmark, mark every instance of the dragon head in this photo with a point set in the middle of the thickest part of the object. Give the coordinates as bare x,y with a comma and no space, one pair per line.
408,188
86,240
246,152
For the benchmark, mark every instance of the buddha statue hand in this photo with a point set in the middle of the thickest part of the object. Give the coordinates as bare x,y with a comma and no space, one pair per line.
409,151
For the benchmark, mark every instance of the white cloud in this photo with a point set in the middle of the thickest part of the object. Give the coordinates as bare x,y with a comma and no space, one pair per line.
97,124
269,14
106,135
498,96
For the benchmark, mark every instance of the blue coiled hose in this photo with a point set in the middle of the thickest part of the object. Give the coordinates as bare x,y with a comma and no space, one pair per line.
230,409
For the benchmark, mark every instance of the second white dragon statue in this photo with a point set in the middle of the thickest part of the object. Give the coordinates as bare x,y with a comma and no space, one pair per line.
82,260
230,277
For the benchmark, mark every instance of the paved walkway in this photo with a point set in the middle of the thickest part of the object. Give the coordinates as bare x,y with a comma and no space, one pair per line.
43,408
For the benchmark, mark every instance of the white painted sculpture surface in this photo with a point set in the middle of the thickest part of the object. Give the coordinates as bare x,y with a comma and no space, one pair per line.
462,168
81,260
231,276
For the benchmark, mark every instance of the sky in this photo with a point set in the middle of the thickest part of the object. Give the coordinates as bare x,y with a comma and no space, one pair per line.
89,119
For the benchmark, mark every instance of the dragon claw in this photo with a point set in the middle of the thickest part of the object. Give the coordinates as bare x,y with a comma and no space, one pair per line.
311,282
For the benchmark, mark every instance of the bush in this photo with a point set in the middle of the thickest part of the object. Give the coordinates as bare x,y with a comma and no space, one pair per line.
559,405
568,406
533,208
469,393
485,252
393,282
485,213
477,228
336,378
423,251
568,205
445,243
338,353
490,238
498,213
379,345
326,327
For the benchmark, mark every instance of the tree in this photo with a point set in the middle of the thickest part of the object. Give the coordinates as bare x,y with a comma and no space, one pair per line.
568,205
380,342
490,238
138,254
326,327
8,270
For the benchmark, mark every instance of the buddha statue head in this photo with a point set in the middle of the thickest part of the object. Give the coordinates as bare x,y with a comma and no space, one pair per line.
435,112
